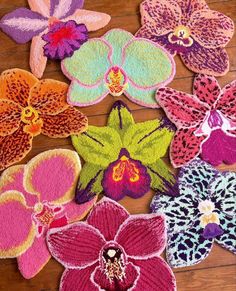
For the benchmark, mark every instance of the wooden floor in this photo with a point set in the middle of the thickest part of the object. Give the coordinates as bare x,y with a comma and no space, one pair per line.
218,271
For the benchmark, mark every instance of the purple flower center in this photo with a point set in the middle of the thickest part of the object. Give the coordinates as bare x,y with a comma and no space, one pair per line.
215,119
212,230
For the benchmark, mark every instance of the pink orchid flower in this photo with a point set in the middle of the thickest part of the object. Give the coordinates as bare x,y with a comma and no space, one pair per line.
113,251
206,121
192,30
33,199
24,25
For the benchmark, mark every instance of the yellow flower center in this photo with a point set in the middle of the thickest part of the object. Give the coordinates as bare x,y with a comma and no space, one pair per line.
30,117
116,81
182,31
181,36
207,208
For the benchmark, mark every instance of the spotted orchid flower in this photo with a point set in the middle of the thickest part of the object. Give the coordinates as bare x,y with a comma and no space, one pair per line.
124,157
206,121
192,30
38,24
203,213
34,198
116,64
112,250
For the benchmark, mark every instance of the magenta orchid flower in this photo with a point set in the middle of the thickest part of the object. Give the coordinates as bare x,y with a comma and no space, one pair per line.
206,121
34,198
24,25
113,251
192,30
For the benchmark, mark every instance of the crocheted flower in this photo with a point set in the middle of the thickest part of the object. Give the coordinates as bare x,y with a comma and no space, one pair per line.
118,63
29,107
64,38
122,253
24,25
206,121
204,212
123,158
33,199
190,29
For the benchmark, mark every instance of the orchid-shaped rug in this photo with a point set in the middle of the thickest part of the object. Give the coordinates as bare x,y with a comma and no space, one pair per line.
112,250
204,212
206,121
118,63
29,107
123,158
192,30
56,27
33,199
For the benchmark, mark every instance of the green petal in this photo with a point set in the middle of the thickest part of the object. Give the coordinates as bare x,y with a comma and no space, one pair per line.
120,118
147,65
88,64
148,141
84,96
99,145
117,38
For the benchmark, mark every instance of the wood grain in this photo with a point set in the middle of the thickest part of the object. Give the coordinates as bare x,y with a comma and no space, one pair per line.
218,271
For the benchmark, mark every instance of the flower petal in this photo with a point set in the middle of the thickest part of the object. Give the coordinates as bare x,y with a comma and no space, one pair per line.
16,227
185,146
15,85
181,108
107,216
228,238
219,148
206,88
84,96
70,121
34,259
142,236
93,20
10,117
210,28
213,61
188,248
86,59
53,175
38,61
164,13
188,8
40,6
14,147
64,8
155,274
49,97
128,282
23,24
74,280
134,55
227,101
76,245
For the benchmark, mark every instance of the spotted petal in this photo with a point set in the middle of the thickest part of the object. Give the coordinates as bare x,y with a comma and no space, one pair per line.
10,114
53,175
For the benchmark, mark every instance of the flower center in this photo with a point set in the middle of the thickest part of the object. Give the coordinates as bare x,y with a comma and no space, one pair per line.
53,20
125,165
181,36
215,119
30,117
114,265
116,81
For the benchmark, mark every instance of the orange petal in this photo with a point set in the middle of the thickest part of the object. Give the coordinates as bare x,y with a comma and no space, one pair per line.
14,147
15,85
10,114
49,97
71,121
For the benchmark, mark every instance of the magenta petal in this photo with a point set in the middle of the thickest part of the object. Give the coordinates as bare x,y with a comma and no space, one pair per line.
212,230
126,177
75,245
23,24
75,280
219,148
142,236
155,274
126,283
64,8
107,217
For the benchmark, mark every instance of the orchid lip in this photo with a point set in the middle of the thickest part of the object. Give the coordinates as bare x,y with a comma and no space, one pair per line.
116,81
